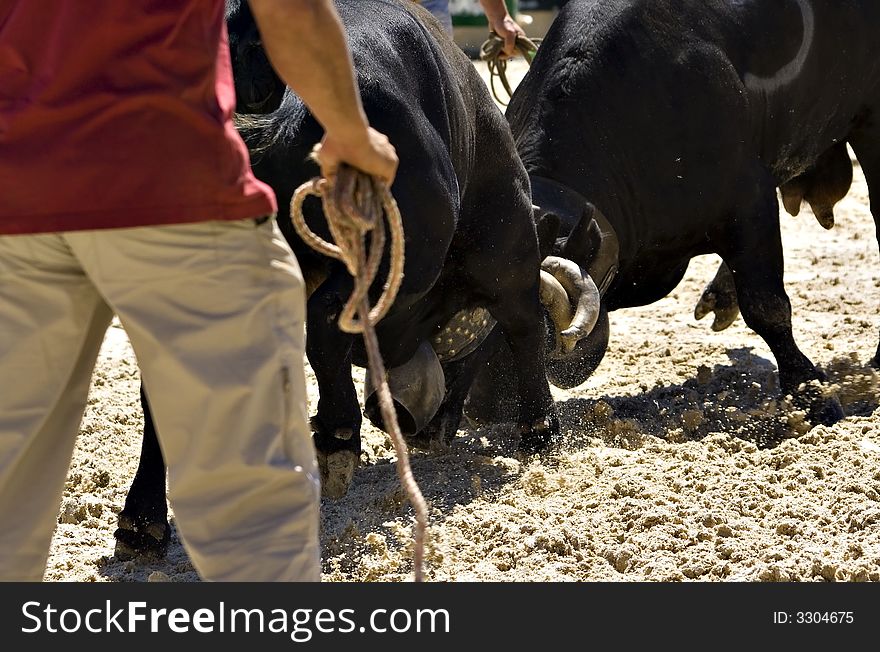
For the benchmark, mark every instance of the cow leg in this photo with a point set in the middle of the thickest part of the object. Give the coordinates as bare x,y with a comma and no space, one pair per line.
719,297
143,527
337,423
866,145
488,400
519,314
752,247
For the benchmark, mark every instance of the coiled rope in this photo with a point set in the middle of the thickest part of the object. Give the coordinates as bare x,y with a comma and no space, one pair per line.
354,206
492,52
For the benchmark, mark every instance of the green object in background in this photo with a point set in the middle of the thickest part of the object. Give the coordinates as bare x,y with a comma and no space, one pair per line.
469,12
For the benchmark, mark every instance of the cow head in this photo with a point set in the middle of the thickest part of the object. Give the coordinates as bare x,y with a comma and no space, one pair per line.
258,89
579,250
586,246
569,294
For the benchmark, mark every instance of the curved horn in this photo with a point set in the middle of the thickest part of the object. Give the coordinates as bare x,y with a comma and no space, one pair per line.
583,292
555,299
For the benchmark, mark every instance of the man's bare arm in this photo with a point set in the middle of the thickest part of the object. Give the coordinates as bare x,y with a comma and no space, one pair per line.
305,41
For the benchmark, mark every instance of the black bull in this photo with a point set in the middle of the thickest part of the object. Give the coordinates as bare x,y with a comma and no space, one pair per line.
674,121
472,247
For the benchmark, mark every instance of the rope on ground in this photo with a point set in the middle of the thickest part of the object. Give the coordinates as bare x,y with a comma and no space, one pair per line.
353,207
492,52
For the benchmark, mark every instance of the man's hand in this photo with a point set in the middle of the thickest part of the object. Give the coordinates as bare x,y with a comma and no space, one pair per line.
501,22
508,29
374,155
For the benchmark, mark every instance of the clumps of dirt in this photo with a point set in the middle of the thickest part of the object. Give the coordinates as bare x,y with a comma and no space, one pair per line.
726,400
740,400
856,384
77,511
671,485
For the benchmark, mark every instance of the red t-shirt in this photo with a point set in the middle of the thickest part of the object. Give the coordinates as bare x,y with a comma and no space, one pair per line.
118,113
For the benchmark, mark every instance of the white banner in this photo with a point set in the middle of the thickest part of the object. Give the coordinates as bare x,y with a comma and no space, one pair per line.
465,8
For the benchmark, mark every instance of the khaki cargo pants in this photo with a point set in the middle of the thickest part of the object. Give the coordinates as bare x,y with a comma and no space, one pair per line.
215,314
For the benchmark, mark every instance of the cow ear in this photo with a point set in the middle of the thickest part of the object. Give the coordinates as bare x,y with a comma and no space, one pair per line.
583,242
547,225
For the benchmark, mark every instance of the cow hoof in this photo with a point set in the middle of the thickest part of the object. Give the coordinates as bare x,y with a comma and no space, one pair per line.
428,441
825,412
724,317
725,308
141,540
337,472
539,436
821,410
705,305
437,436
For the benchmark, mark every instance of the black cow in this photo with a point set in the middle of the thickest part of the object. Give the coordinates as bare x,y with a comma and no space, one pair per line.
672,122
822,185
472,251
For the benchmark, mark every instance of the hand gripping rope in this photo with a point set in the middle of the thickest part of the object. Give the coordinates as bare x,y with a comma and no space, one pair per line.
353,207
492,52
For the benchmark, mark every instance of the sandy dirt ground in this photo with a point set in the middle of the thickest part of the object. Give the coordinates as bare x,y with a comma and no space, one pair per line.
680,461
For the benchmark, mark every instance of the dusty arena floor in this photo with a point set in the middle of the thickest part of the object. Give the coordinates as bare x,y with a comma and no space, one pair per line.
680,462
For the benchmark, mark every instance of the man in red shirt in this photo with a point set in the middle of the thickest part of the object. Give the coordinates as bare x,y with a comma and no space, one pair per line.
126,190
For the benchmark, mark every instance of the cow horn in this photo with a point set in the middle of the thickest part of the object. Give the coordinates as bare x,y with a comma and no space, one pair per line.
583,293
556,301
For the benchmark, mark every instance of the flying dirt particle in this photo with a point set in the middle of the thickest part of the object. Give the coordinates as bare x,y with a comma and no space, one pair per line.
854,383
536,482
797,422
626,433
692,419
509,465
675,436
602,412
704,375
